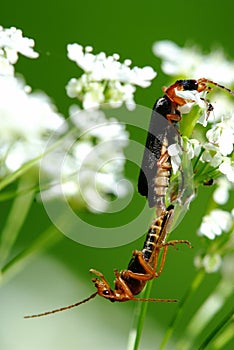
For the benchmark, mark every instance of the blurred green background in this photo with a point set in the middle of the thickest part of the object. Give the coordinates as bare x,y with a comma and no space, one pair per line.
60,276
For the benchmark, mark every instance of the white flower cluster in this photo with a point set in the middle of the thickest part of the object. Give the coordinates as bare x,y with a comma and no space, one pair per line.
215,223
93,166
190,62
105,80
95,163
221,193
218,149
12,42
26,118
26,121
222,135
218,222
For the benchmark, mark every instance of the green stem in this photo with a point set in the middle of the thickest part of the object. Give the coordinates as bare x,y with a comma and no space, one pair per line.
227,318
197,159
22,170
47,239
186,127
177,316
206,313
226,336
16,218
6,196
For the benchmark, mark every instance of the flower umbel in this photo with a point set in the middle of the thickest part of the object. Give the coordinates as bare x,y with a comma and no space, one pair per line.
216,223
94,164
105,80
189,61
88,171
20,108
216,226
12,43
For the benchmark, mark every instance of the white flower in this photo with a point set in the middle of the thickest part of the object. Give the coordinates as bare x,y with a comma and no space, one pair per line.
105,79
75,53
94,97
227,168
5,67
142,76
203,120
191,62
26,119
95,123
223,107
215,223
192,96
222,135
176,60
211,155
192,147
12,42
74,87
221,193
90,169
175,152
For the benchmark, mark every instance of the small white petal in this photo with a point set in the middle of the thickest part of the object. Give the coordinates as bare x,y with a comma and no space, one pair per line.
221,194
227,169
174,152
88,48
128,62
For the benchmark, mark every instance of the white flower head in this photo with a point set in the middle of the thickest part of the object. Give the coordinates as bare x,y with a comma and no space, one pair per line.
189,61
105,79
93,166
193,148
215,223
26,121
223,107
12,42
176,60
221,193
95,123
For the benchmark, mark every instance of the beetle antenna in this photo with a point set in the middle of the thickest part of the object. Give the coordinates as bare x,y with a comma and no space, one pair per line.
63,308
204,80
